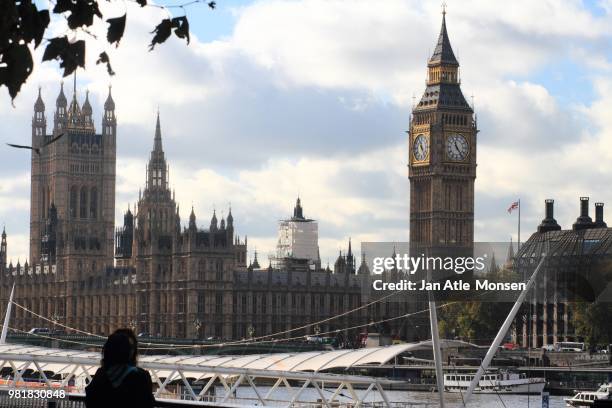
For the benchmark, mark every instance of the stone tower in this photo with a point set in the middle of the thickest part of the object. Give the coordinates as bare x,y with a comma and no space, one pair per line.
156,215
442,151
73,189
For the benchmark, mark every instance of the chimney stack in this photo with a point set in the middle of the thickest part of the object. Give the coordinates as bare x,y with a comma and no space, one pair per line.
549,223
599,220
584,221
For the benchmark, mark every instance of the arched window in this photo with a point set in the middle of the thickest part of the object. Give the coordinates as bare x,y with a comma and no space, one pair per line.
83,203
93,203
73,202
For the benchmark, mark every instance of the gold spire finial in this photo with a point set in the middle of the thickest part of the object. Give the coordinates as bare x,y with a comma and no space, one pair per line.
443,8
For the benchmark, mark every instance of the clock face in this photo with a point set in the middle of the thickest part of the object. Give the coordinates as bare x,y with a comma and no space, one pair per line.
420,147
457,148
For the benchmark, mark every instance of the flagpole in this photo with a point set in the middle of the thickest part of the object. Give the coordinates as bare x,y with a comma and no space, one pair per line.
519,226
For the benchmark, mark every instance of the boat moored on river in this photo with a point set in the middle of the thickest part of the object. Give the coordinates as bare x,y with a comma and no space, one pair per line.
495,383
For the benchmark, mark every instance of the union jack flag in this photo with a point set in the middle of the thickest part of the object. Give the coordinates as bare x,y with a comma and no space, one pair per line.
513,206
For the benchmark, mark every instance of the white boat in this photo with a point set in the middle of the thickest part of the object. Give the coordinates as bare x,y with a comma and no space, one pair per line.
588,398
495,383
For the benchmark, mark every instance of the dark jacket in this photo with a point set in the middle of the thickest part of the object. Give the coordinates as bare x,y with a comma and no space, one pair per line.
120,386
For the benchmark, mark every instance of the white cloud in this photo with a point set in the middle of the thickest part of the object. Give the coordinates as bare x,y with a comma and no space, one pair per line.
312,97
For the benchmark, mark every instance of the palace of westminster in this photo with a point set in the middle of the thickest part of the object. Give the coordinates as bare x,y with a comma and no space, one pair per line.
165,277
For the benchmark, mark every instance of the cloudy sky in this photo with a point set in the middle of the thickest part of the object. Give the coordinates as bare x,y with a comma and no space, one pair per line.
312,97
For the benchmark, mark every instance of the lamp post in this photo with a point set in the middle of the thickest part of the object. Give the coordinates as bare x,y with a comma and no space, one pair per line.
133,324
197,324
251,332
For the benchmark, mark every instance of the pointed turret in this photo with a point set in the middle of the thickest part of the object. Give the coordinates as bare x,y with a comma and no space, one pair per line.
109,120
61,101
39,122
157,168
350,260
339,265
255,264
109,104
39,105
493,268
178,220
443,53
192,220
363,267
60,108
74,110
298,213
222,224
443,78
213,222
86,111
128,218
157,143
230,219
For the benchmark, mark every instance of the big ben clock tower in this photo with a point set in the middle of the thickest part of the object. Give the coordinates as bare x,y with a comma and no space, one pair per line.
442,169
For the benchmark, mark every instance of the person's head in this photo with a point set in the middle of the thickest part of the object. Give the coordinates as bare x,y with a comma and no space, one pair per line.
121,347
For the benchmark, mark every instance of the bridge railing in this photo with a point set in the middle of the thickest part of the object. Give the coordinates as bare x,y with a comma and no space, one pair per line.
78,401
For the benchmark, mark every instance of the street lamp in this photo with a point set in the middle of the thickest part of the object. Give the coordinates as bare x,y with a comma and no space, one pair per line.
251,331
133,324
197,324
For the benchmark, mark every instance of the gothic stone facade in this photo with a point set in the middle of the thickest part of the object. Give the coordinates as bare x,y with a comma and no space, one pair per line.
152,273
159,277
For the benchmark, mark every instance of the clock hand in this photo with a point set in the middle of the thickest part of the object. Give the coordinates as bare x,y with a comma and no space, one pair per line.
457,146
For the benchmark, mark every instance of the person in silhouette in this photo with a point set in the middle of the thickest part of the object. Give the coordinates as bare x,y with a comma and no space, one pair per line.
119,382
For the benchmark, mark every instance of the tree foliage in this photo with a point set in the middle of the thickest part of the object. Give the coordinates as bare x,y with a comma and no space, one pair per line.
593,321
477,321
472,321
23,27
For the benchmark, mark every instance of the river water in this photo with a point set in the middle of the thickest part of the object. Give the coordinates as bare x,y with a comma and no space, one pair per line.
422,398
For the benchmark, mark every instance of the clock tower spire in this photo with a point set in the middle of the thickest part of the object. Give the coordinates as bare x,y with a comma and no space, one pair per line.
442,164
